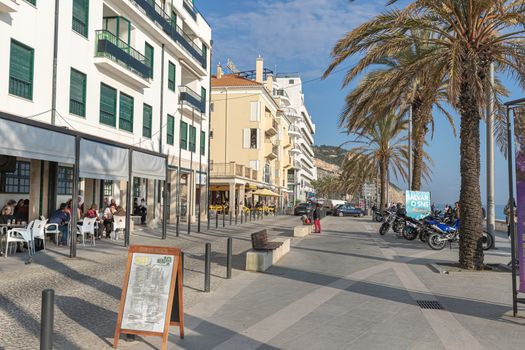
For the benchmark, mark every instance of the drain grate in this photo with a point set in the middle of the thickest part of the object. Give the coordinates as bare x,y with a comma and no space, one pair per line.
430,304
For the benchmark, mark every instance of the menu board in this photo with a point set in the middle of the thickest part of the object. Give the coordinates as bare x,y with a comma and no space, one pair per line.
152,291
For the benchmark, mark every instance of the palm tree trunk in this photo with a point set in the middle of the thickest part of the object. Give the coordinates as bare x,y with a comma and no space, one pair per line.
383,173
470,245
422,118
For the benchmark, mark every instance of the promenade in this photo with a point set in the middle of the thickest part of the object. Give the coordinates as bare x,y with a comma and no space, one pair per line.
347,288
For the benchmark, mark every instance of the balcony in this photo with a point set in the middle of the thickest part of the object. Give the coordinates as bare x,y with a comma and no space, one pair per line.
294,131
191,98
272,129
157,14
274,153
294,151
192,11
7,6
114,54
232,169
282,94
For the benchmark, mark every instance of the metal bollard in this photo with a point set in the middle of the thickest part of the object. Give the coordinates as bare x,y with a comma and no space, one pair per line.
46,319
223,218
207,267
216,219
229,258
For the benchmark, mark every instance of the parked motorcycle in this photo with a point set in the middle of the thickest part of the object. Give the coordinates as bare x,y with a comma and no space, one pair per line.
443,234
388,220
378,215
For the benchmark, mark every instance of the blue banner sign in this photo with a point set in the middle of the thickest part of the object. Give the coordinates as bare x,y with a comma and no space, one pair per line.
417,204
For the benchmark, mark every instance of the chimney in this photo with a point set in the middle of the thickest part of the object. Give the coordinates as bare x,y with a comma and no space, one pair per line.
219,71
259,67
269,82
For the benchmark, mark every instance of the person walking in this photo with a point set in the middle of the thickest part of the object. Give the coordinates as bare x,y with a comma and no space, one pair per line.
317,218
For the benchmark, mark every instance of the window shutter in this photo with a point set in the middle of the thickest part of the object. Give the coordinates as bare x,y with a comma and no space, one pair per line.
258,138
170,130
254,164
171,76
108,105
148,52
146,120
246,138
126,112
81,16
77,93
183,135
21,70
203,143
254,113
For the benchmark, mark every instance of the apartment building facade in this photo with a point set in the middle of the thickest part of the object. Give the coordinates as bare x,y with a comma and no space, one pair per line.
136,72
250,141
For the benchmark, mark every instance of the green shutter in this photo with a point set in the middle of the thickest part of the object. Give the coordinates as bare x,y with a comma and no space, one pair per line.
170,130
173,19
147,116
204,51
21,70
126,113
203,143
183,135
203,99
32,2
81,16
193,138
108,105
171,76
148,53
77,93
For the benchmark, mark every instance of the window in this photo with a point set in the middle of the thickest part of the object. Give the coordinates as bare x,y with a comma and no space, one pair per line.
77,93
33,2
255,111
203,143
203,97
170,130
18,181
291,81
254,164
21,70
173,19
183,135
251,138
147,115
204,51
65,181
193,138
108,188
171,76
267,172
108,105
126,112
148,52
81,16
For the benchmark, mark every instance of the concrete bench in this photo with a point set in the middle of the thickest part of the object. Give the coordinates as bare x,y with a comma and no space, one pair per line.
261,260
302,230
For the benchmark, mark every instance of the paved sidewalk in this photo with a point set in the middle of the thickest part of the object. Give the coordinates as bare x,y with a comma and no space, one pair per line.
349,288
88,288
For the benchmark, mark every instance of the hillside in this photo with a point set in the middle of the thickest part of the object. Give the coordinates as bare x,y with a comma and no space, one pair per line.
330,154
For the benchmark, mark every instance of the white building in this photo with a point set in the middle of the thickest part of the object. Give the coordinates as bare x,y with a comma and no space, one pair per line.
132,71
288,89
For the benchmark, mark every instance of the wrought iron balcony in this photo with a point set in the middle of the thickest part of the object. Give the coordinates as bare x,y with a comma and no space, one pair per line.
192,98
109,46
157,14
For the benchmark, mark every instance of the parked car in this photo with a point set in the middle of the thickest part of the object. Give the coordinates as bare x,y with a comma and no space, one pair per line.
302,209
330,204
348,210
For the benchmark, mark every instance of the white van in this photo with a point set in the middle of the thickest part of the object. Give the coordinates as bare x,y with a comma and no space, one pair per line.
330,204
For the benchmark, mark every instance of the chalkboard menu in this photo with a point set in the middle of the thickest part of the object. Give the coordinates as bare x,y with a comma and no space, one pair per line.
152,289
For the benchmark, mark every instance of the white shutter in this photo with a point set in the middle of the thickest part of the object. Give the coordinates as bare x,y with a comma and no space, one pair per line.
258,138
255,112
254,164
246,138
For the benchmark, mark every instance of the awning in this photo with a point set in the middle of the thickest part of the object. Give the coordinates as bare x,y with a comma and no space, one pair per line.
21,140
148,166
219,187
265,193
251,187
101,161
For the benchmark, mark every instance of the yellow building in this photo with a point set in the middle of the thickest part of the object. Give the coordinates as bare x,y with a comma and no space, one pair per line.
249,140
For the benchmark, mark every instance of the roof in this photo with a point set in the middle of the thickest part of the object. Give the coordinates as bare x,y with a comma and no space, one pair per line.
232,80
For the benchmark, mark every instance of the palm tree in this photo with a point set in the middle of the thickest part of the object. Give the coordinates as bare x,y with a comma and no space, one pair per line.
466,36
382,151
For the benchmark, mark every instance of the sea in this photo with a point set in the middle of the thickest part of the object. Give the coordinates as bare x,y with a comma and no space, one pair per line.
498,209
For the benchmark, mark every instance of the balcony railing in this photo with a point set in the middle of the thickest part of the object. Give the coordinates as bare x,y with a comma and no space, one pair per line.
255,173
192,98
108,45
190,9
233,169
157,14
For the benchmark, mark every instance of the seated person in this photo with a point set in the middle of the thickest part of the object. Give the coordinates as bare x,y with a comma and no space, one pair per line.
62,218
143,210
93,214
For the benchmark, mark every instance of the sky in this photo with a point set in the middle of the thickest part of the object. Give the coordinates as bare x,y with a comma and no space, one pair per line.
297,36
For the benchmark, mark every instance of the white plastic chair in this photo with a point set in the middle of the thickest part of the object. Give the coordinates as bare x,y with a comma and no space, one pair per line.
20,235
119,224
87,227
38,232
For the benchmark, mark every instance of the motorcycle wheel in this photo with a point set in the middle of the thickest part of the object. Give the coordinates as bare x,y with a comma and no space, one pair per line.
384,229
398,228
435,243
423,236
378,218
409,233
487,241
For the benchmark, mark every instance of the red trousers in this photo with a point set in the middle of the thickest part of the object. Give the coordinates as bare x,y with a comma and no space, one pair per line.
317,225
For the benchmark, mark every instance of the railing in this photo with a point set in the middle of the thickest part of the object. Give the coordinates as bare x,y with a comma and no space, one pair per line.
231,169
190,9
294,129
108,45
280,93
79,26
247,172
192,98
238,169
21,88
157,14
254,174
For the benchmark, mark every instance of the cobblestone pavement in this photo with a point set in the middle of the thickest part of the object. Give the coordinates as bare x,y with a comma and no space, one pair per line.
87,289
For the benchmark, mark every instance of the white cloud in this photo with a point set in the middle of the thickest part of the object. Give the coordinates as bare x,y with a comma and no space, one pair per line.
292,34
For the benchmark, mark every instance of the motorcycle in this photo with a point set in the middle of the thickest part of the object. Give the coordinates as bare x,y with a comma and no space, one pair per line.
388,220
412,228
443,233
378,215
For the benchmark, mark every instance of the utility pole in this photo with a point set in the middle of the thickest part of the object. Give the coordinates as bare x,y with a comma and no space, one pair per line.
490,155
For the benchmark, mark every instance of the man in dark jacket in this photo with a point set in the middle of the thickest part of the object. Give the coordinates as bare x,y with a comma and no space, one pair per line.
317,218
61,218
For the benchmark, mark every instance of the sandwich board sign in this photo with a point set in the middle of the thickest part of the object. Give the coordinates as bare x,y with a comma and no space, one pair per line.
152,290
417,204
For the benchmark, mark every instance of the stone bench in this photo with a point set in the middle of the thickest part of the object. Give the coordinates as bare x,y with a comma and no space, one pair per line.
302,230
260,260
